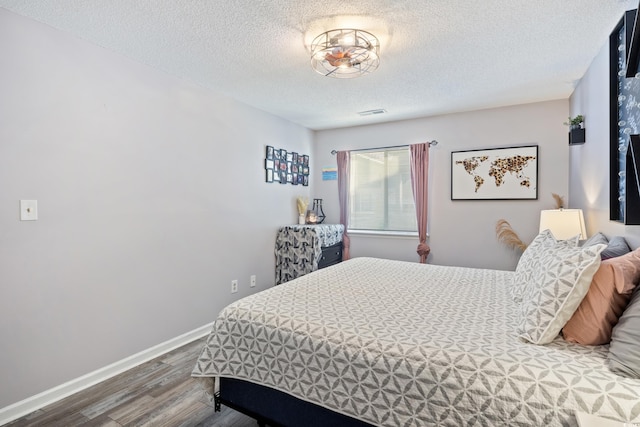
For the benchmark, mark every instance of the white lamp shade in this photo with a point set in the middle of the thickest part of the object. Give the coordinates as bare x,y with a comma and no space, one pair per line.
563,223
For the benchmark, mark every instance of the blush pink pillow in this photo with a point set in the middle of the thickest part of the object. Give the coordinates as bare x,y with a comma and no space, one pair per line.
605,301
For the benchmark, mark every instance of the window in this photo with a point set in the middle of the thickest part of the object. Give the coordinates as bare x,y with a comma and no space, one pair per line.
380,193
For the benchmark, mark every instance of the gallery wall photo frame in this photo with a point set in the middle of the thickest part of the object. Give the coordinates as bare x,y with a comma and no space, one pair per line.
509,173
286,167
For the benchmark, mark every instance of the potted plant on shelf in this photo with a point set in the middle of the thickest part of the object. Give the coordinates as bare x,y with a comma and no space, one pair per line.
575,122
576,131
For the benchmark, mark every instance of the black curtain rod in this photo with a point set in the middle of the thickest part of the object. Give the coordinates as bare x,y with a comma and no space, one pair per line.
431,144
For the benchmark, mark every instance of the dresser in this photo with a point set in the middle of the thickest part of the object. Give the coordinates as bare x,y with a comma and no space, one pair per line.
301,249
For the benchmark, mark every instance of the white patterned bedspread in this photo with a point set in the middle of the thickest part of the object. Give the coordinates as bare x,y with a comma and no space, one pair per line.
402,344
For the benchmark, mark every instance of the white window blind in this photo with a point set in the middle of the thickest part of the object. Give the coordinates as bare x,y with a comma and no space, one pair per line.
380,192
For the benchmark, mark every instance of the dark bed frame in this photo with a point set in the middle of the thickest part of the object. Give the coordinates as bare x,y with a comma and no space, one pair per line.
277,409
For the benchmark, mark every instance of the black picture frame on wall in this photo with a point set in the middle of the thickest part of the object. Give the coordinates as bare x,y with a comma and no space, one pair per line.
632,172
632,43
624,112
509,173
287,167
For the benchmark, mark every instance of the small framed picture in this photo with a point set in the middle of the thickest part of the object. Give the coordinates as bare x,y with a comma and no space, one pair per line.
283,155
269,175
268,164
305,181
269,152
276,154
289,157
294,168
276,164
300,179
283,176
294,178
305,170
283,166
288,167
275,175
294,157
305,160
289,177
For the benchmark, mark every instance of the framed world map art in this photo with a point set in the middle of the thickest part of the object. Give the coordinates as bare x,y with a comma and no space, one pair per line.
495,174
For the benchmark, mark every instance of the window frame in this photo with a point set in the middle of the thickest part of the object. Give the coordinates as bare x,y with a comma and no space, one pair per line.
386,231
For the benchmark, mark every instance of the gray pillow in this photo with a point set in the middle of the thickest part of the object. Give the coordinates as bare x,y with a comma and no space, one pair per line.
624,350
617,246
595,240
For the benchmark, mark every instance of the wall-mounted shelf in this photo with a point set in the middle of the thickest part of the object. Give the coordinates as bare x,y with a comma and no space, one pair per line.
577,136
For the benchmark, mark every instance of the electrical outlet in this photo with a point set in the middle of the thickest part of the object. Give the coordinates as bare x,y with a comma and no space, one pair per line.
234,286
253,281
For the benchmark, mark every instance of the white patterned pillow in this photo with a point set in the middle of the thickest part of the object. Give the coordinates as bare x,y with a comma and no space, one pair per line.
530,260
555,289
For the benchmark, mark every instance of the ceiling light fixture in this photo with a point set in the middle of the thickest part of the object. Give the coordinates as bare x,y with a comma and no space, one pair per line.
345,53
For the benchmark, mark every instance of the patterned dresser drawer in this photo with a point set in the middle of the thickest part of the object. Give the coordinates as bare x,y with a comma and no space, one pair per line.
330,255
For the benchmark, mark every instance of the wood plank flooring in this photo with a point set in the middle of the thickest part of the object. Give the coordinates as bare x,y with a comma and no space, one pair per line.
160,392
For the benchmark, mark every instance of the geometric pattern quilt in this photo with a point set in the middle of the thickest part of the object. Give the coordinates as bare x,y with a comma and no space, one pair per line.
406,344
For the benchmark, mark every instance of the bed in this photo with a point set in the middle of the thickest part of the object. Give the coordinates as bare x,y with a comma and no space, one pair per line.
390,343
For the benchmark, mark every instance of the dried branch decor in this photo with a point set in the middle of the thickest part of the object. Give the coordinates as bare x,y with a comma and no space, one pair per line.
559,200
507,236
302,203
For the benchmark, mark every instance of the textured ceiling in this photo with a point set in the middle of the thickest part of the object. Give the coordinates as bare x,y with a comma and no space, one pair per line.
437,56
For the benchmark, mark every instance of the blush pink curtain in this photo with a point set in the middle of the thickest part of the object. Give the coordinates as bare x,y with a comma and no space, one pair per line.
344,161
419,184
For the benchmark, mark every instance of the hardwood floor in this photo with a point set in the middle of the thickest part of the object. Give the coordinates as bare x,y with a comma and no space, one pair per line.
160,392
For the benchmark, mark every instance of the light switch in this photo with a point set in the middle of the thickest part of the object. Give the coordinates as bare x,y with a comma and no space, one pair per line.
28,210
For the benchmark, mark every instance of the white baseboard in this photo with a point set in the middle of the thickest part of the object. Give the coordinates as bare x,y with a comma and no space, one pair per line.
40,400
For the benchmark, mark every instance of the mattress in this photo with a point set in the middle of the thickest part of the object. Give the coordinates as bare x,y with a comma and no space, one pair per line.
405,344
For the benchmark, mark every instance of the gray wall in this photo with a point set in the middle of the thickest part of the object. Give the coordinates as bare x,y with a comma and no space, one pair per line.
151,200
589,163
462,232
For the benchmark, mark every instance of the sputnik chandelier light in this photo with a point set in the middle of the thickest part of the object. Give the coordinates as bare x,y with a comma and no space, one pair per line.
345,53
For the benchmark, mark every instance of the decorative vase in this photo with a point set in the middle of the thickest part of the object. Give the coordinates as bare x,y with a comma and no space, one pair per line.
301,219
317,208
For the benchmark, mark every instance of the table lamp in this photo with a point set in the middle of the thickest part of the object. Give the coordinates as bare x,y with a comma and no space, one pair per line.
563,223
